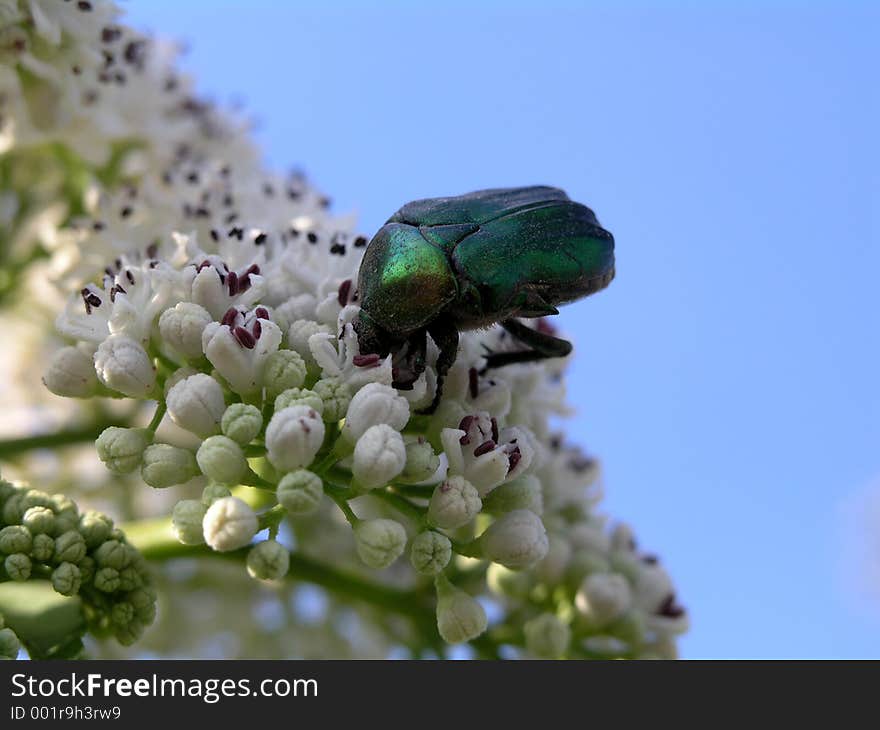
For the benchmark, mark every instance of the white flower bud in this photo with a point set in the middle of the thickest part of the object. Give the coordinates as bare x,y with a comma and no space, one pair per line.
652,586
551,569
300,492
454,503
547,637
522,493
71,373
222,460
182,327
459,616
379,542
516,540
229,524
293,437
241,422
430,552
122,449
336,397
299,397
284,369
374,404
186,521
196,404
421,462
268,560
124,366
603,597
298,338
379,456
165,466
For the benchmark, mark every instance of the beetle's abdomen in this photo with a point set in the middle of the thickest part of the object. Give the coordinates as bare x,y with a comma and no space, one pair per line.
551,254
404,280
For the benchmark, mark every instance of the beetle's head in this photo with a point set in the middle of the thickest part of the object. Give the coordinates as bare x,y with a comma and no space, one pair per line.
372,337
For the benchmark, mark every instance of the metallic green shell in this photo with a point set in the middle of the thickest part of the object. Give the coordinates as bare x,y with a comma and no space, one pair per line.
484,257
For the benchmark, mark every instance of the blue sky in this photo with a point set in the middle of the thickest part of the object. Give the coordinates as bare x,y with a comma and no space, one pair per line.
728,377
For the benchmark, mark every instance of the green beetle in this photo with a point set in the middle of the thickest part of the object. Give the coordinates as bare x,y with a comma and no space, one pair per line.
442,265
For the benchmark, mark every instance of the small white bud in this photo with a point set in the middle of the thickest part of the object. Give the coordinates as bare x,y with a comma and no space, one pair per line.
284,369
124,366
430,552
300,492
268,560
547,637
521,493
603,596
516,540
222,460
298,338
241,422
165,466
186,521
551,569
196,404
175,377
454,503
421,462
299,397
336,397
293,437
71,373
652,586
379,456
373,404
379,542
182,326
122,449
459,616
229,524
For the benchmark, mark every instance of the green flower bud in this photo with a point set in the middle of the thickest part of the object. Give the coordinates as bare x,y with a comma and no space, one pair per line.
66,514
107,580
17,566
42,548
300,492
39,520
15,539
130,578
516,539
122,614
95,528
299,397
421,462
87,568
144,602
242,422
454,503
430,552
335,395
268,560
521,493
121,449
70,547
66,579
284,369
213,492
167,466
13,510
459,616
113,554
222,460
547,637
186,521
9,644
130,633
379,542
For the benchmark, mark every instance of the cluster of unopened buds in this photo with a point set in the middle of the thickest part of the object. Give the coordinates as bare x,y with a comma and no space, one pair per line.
226,296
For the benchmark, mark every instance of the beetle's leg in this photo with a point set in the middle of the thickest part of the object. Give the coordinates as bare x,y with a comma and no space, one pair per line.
543,346
413,364
445,336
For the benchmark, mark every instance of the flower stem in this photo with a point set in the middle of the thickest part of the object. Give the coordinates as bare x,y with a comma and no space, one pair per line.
11,448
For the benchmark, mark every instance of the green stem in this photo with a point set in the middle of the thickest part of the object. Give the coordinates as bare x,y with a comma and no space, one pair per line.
11,448
161,408
402,505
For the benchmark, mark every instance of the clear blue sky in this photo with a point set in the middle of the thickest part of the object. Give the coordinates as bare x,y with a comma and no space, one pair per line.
728,378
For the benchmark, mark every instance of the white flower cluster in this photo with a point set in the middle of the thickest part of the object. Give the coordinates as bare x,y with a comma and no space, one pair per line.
227,295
